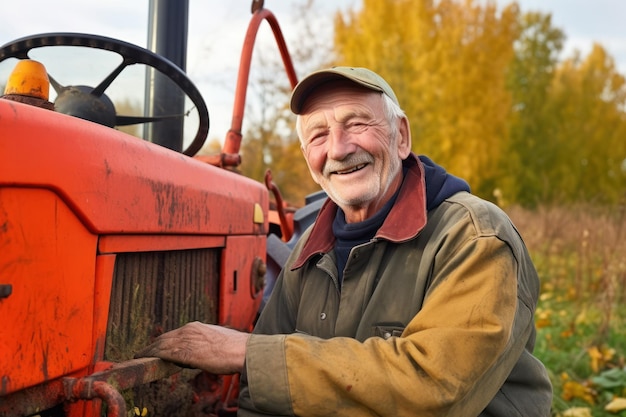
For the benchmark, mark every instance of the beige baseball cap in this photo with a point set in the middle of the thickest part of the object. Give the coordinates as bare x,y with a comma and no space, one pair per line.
361,76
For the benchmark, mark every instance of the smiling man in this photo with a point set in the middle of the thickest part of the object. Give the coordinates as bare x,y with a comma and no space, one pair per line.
353,152
409,296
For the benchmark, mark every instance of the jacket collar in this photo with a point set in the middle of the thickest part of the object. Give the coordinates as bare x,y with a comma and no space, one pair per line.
405,220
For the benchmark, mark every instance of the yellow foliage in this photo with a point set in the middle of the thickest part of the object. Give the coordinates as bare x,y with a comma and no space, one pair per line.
600,357
582,317
596,358
577,412
616,405
573,389
587,100
543,318
546,295
488,99
142,413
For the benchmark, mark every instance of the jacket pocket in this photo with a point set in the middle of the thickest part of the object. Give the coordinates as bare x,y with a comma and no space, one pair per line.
387,330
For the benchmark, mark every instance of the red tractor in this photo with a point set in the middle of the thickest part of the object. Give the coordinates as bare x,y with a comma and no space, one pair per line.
107,240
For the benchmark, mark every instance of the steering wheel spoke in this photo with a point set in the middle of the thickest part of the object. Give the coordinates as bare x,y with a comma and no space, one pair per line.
101,88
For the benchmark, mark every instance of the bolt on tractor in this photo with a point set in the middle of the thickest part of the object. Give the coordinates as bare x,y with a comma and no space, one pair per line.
108,240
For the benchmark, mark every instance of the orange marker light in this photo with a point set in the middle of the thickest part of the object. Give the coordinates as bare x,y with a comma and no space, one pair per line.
29,78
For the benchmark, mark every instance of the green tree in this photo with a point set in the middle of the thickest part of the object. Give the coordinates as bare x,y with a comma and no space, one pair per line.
531,153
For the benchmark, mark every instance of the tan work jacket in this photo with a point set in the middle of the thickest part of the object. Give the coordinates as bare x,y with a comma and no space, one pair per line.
434,318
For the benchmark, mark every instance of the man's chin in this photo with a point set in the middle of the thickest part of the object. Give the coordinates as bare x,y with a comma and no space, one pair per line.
350,199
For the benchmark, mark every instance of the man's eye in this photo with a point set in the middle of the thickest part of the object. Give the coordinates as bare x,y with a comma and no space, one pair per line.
316,137
356,126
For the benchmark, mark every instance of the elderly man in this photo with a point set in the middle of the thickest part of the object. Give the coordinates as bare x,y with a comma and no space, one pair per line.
409,296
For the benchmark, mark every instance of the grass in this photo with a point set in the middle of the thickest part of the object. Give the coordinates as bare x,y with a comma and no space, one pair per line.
580,254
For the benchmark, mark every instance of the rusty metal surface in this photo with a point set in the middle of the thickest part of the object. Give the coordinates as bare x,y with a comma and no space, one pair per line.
120,376
31,400
104,385
80,389
33,101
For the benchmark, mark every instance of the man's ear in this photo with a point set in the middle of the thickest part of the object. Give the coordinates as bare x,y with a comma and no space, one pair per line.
404,138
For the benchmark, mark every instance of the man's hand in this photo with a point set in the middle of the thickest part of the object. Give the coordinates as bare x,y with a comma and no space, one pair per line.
214,349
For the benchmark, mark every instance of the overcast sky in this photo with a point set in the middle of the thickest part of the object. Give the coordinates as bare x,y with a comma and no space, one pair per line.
217,29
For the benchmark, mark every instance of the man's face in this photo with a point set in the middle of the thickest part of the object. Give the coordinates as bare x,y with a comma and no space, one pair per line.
347,145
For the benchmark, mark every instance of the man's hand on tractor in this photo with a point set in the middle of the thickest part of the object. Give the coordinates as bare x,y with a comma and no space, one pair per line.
212,348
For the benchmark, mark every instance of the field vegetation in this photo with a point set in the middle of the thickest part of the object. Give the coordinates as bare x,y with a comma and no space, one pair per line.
580,254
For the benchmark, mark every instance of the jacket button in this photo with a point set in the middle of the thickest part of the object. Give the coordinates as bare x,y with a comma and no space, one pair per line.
323,316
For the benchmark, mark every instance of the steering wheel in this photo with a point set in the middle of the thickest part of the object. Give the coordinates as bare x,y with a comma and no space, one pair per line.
131,54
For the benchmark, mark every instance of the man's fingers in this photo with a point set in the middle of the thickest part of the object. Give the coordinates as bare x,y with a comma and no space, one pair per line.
196,345
169,349
149,351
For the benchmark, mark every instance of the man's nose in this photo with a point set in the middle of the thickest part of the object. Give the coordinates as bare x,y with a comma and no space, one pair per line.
340,144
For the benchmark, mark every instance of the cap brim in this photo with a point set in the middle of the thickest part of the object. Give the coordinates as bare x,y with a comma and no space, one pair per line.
318,78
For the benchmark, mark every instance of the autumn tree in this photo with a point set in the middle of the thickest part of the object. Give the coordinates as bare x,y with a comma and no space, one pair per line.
447,62
588,125
567,126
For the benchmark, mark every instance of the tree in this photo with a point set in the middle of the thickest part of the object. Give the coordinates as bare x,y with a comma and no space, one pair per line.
531,153
488,98
447,62
588,125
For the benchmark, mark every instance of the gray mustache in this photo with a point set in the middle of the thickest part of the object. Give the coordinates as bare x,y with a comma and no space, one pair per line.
350,162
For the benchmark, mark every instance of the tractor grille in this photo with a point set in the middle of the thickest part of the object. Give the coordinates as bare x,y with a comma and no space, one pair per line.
154,292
